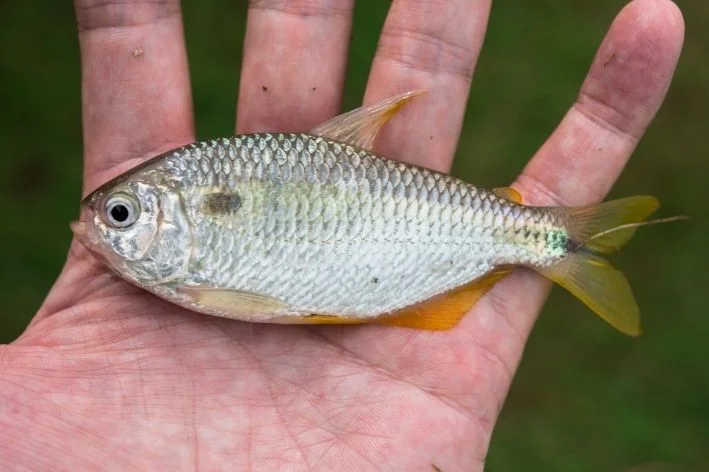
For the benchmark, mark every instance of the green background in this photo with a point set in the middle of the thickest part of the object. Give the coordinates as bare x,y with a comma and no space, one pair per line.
586,398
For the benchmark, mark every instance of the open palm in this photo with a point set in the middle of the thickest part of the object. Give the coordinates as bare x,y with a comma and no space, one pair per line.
108,377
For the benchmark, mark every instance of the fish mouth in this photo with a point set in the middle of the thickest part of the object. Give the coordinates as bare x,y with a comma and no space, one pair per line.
80,229
83,228
83,234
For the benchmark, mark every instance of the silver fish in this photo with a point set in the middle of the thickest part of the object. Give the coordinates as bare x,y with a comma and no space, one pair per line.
316,228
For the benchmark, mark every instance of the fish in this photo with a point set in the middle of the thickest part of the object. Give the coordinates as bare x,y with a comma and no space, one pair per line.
315,228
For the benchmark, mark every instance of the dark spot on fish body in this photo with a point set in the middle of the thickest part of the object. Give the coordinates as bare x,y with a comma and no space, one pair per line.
375,280
571,246
221,203
558,240
264,88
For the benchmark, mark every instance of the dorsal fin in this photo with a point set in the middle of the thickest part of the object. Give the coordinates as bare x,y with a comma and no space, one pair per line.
360,126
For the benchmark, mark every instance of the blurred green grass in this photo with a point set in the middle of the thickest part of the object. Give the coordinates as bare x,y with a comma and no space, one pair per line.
585,398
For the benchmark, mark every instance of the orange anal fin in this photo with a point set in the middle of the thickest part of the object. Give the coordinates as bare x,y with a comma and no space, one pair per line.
446,310
508,193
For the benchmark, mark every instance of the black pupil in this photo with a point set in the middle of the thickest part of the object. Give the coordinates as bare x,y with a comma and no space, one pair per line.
120,213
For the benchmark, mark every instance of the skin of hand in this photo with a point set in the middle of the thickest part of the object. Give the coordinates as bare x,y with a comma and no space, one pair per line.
108,377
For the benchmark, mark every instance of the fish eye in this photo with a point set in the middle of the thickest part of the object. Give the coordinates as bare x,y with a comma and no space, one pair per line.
121,210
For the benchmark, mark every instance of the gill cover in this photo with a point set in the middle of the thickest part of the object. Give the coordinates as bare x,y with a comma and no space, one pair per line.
156,247
132,242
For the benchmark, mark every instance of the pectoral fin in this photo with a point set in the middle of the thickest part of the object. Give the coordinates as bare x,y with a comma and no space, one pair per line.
360,126
233,301
445,311
317,319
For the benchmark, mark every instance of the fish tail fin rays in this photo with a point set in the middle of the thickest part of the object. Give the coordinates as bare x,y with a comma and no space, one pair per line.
603,229
602,287
606,227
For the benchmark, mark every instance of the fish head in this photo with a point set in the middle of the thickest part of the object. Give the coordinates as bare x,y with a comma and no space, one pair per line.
137,226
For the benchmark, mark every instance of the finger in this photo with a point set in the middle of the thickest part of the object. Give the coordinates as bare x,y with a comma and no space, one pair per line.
135,84
619,98
432,46
293,69
584,156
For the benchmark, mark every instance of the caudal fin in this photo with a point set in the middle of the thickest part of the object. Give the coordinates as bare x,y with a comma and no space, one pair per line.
603,229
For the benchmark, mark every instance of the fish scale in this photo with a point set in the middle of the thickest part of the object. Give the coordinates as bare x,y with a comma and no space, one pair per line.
398,225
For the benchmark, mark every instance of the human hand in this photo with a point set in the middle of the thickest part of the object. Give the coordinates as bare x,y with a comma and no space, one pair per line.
109,377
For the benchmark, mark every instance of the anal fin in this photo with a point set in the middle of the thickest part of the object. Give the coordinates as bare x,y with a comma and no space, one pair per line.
446,310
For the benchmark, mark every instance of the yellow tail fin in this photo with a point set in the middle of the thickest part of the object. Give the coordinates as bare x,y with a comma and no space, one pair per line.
603,229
